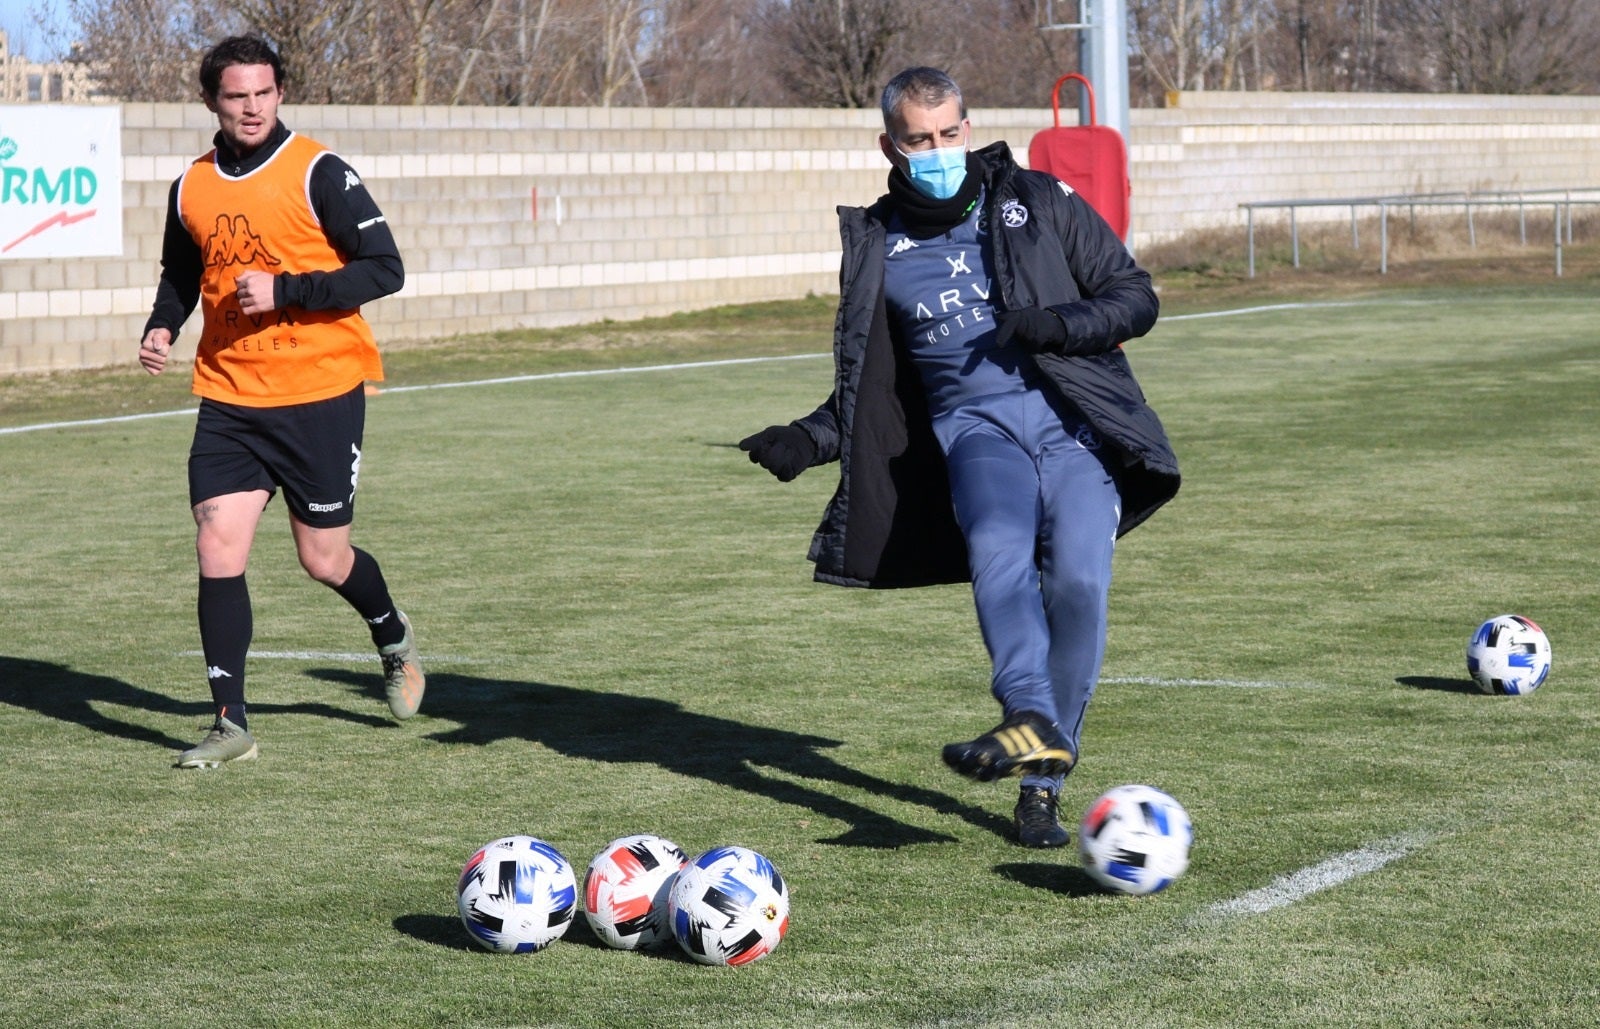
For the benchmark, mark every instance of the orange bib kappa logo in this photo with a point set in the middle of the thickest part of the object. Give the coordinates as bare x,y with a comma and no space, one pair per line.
233,241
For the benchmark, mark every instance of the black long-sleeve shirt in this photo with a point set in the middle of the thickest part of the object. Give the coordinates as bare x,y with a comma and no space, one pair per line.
350,218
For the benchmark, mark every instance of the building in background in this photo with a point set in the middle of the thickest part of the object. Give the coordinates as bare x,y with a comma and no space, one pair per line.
29,82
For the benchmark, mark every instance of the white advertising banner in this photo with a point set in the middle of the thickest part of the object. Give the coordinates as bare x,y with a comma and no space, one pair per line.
60,181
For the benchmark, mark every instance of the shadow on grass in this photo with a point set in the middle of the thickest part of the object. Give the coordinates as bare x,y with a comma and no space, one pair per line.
1067,880
439,930
1436,682
622,729
447,931
71,696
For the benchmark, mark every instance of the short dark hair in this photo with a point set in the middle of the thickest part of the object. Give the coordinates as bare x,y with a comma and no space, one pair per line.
925,87
237,50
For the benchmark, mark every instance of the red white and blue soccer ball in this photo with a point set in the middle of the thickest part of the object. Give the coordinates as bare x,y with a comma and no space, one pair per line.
1508,654
729,906
1135,839
625,891
517,895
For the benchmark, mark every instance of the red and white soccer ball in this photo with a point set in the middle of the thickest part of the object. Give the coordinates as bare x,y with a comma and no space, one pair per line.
1135,839
625,891
516,895
1508,654
729,906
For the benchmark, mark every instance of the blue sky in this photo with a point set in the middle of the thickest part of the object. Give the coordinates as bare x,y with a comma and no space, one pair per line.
16,18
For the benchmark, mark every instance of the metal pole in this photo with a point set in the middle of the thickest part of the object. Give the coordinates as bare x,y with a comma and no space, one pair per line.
1355,230
1557,213
1104,55
1250,222
1383,235
1294,235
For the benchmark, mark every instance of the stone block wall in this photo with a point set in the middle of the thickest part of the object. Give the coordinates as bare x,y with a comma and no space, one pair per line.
513,217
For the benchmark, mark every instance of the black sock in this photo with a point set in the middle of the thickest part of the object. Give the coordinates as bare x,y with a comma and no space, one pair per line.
225,629
365,590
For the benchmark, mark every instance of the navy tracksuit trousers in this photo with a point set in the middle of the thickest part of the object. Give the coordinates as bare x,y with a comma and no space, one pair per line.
1039,512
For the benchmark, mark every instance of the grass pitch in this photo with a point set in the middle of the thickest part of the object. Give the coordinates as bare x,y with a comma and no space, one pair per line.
622,637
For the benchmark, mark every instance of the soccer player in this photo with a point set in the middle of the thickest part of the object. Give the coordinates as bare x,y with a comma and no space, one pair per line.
280,243
987,426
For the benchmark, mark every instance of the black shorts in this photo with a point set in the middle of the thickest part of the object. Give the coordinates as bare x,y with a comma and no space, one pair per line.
312,451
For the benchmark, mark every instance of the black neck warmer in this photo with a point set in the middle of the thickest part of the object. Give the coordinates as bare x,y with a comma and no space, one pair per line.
925,217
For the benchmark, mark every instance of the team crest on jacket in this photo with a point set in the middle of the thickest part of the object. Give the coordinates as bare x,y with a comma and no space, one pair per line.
1014,214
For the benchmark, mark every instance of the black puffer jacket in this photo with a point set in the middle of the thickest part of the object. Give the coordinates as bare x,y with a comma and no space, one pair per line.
890,523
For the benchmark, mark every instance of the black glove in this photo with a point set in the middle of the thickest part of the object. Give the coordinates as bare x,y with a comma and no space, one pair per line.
783,450
1037,330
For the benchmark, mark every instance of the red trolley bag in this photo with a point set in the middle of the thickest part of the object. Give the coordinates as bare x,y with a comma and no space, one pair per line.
1092,159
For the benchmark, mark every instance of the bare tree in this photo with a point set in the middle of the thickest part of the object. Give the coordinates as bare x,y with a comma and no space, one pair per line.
997,49
1194,44
308,35
703,54
833,52
530,58
613,54
1501,46
146,49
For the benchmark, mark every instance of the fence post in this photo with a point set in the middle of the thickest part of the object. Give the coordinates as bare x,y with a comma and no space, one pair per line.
1556,213
1383,236
1250,221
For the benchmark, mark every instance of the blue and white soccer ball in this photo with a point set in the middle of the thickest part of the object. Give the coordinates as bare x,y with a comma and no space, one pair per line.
517,895
625,891
1135,839
729,906
1508,654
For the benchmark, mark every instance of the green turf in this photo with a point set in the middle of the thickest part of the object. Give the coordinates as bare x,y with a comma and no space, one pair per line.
624,638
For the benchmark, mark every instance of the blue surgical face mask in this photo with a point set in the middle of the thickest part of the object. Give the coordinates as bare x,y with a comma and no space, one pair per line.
937,173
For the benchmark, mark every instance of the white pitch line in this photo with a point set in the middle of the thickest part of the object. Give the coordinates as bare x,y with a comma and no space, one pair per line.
1130,956
1289,889
1146,680
542,377
590,373
333,655
1305,306
12,430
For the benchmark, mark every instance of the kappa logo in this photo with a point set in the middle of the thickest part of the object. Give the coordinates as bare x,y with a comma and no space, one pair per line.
233,241
1087,438
903,244
351,179
355,470
213,672
1014,214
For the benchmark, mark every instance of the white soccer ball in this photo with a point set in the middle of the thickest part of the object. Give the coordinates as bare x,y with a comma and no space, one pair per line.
729,906
517,895
1508,654
1135,839
625,891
